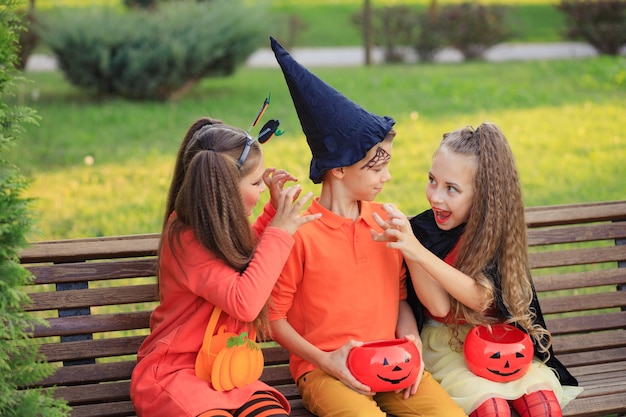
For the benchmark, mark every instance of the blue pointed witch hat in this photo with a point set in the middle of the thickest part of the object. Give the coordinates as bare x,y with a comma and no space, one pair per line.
339,132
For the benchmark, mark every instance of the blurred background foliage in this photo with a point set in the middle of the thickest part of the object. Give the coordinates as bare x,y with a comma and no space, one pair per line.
101,162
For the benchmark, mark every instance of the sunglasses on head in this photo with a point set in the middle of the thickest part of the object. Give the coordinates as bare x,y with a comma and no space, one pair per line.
268,130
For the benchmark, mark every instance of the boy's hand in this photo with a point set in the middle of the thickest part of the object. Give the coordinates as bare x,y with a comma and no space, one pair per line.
335,364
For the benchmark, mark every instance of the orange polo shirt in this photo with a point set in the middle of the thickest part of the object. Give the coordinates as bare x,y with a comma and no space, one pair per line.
338,283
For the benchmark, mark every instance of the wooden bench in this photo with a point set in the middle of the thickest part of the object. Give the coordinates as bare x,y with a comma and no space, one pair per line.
97,295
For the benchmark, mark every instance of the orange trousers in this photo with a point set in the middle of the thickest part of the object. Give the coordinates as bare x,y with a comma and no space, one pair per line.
326,396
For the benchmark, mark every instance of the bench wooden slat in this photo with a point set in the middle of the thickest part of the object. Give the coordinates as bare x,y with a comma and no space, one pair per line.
90,373
593,357
583,302
277,375
575,213
275,356
598,406
74,325
92,297
93,271
109,409
82,394
571,234
90,349
78,250
586,323
298,410
289,391
577,256
597,371
590,341
576,280
609,383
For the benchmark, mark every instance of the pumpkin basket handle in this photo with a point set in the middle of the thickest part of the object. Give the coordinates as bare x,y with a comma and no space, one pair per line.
210,328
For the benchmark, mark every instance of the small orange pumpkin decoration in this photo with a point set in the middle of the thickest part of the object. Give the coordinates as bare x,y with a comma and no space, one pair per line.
239,364
228,360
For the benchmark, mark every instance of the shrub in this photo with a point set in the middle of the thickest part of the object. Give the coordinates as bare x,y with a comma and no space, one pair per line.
469,27
430,36
291,27
140,4
393,27
27,37
602,23
472,27
21,364
157,54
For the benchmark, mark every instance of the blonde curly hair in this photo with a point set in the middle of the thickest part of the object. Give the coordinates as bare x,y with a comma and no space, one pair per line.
495,238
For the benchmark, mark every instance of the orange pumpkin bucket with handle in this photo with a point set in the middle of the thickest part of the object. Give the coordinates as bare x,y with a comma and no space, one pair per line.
228,360
501,353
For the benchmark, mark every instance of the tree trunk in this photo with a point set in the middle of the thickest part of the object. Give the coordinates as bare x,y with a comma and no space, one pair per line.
367,31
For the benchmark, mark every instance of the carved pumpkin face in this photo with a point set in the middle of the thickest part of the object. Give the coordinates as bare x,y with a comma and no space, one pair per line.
387,365
503,354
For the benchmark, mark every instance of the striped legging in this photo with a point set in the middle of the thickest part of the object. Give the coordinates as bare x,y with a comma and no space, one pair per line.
261,404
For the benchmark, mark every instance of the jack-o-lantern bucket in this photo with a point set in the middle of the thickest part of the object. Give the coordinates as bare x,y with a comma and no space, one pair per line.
503,354
385,365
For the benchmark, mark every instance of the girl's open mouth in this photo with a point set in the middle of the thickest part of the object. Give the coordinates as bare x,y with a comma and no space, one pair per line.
441,216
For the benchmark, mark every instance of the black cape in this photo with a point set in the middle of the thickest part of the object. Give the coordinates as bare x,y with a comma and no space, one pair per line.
441,242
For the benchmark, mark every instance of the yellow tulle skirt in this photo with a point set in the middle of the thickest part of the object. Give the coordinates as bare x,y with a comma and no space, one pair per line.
470,391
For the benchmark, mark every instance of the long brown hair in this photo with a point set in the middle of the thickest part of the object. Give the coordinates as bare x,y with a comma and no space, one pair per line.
204,194
495,238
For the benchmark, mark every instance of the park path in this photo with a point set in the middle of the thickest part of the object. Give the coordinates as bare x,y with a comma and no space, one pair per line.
355,56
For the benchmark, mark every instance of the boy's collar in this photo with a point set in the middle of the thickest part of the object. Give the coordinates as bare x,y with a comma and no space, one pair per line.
335,221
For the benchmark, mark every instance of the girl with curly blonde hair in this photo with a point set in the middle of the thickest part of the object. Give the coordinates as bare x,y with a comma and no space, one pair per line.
476,225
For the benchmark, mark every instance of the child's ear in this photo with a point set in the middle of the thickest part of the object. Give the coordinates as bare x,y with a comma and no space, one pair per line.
337,172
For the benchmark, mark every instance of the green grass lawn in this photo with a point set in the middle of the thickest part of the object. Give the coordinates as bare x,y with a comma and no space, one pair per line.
564,120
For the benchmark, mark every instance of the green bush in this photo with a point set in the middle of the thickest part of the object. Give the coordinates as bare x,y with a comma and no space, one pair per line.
602,23
141,4
431,35
154,55
469,27
27,37
393,27
472,28
21,364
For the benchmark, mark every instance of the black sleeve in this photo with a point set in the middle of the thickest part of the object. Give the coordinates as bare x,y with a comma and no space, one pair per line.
440,242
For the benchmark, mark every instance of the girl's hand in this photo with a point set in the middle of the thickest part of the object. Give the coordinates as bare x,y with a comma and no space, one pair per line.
288,210
397,233
335,364
411,390
275,180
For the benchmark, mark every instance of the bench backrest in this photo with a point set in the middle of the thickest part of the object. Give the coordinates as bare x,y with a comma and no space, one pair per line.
97,295
578,257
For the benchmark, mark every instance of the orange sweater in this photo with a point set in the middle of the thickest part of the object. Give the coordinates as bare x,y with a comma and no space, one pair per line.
164,382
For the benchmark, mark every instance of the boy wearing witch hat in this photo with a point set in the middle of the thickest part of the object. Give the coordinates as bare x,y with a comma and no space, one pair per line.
340,288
